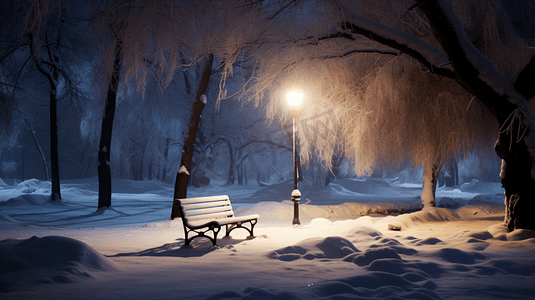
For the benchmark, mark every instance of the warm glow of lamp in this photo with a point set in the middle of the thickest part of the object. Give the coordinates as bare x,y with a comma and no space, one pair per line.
295,98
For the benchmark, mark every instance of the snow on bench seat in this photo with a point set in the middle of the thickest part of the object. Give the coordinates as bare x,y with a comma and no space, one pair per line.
207,214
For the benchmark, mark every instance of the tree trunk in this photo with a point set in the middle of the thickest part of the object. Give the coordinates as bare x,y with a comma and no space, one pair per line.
430,185
517,179
104,169
165,155
52,74
54,156
183,174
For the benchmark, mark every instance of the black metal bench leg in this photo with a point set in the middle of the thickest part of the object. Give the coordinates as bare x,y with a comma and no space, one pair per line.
215,231
240,225
253,223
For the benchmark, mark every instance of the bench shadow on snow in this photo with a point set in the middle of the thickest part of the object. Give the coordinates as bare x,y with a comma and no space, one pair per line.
197,248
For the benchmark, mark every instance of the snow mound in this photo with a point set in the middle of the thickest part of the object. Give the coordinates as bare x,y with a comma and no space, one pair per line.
50,259
25,199
75,191
437,214
448,202
33,186
377,285
431,214
476,186
342,190
498,198
3,184
313,248
389,269
480,211
388,276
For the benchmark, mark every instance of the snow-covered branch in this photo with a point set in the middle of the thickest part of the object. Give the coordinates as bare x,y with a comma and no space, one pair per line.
351,52
431,57
474,71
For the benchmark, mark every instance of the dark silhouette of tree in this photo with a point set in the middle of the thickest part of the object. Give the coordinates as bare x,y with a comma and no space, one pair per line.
183,173
45,34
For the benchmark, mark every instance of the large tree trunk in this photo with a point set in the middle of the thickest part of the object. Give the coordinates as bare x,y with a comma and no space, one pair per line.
430,185
517,179
104,152
183,174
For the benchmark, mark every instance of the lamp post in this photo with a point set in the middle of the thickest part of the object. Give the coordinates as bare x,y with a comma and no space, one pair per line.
294,99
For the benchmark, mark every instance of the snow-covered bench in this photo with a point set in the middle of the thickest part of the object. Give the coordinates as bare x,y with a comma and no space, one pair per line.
204,214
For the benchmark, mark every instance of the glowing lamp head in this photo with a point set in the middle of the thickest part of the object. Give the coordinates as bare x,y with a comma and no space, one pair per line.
295,98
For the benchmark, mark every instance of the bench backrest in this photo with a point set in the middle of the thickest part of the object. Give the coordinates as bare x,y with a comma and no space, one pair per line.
201,208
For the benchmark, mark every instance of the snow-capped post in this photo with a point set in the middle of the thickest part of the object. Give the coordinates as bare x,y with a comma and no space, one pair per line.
183,174
294,100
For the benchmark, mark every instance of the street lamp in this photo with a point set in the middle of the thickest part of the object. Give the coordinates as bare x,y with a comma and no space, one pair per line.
294,99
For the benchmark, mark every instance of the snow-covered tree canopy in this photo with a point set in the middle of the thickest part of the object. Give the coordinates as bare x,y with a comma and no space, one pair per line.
421,80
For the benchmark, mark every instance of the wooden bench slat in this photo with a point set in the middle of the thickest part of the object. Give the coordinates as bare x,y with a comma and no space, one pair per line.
209,204
211,216
203,199
209,211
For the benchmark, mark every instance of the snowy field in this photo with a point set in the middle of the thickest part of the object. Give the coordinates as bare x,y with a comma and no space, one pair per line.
342,250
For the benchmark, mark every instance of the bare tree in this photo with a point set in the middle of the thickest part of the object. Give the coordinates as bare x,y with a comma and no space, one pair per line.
136,37
44,33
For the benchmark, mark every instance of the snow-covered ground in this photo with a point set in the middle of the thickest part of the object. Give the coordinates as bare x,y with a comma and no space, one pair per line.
342,250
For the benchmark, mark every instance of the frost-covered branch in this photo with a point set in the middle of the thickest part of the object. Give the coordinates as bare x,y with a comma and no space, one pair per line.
431,57
351,52
474,71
